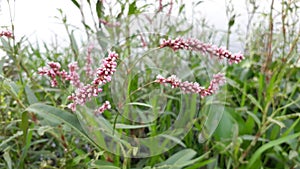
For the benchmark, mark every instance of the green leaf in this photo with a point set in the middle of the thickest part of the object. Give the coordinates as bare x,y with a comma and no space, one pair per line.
31,98
271,87
5,45
231,21
254,101
139,104
180,157
103,164
16,135
99,9
133,8
175,139
126,126
24,125
7,159
181,8
271,144
50,112
92,126
249,96
11,87
26,144
255,118
74,43
2,61
76,3
41,130
200,164
291,128
224,127
250,137
76,160
279,123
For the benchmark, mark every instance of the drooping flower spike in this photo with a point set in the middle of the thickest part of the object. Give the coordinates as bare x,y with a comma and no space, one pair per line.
193,87
73,76
7,34
106,105
104,75
196,45
83,93
53,72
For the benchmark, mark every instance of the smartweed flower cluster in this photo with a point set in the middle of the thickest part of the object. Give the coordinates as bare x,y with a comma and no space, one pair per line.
84,92
193,87
196,45
7,34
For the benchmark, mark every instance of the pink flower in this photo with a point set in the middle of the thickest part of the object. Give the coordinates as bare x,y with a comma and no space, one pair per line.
82,95
104,74
6,34
104,107
176,44
73,76
193,87
55,66
53,72
217,81
196,45
107,69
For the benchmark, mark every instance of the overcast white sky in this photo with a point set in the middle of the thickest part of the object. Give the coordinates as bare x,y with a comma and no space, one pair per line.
35,18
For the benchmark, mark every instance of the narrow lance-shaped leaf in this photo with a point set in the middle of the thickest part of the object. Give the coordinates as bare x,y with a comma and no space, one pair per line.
76,3
50,112
99,9
31,98
273,143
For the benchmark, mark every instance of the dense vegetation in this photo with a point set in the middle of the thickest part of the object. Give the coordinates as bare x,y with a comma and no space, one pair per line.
250,122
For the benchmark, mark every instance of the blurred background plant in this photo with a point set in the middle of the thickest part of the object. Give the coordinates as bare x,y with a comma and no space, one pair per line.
259,127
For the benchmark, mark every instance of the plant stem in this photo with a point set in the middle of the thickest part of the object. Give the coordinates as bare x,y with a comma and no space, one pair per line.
269,43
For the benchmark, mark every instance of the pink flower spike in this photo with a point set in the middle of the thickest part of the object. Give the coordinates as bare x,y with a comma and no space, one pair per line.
55,66
53,72
6,34
104,107
196,45
73,75
176,44
83,93
72,106
107,69
193,87
104,74
217,81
